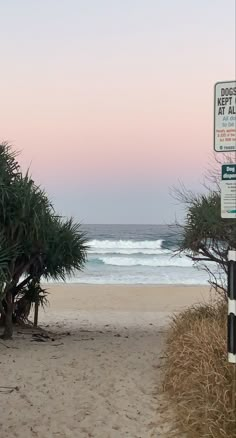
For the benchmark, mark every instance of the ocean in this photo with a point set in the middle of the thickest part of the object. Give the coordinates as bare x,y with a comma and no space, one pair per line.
136,254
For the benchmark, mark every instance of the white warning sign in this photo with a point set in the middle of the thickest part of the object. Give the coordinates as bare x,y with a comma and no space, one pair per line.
225,117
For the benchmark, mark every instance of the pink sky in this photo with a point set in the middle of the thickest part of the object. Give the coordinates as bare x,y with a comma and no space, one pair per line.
109,101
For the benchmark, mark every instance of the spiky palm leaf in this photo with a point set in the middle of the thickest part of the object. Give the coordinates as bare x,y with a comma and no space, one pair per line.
66,249
7,253
32,294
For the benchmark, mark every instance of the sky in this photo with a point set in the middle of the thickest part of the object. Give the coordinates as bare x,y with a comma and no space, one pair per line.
111,101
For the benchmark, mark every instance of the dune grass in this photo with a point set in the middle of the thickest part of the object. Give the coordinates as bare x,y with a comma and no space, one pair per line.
198,379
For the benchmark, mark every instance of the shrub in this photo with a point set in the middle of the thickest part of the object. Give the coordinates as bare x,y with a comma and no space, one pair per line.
198,379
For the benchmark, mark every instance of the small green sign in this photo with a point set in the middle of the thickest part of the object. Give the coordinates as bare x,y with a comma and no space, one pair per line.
228,172
228,191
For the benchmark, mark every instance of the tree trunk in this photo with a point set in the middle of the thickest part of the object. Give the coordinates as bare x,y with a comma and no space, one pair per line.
36,313
8,329
2,314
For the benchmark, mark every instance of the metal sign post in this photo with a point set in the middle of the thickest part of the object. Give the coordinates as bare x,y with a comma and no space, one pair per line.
225,141
232,306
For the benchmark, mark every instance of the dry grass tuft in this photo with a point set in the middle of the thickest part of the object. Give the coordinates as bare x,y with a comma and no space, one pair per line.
198,378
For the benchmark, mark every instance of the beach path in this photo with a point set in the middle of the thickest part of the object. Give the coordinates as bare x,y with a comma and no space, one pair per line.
98,372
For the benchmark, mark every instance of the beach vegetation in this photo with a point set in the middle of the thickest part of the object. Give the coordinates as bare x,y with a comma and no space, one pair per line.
198,380
205,237
35,242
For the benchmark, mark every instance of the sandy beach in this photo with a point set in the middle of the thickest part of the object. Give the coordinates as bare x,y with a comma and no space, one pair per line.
97,374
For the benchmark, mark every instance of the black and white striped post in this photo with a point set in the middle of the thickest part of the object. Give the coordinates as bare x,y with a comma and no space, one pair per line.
228,201
232,306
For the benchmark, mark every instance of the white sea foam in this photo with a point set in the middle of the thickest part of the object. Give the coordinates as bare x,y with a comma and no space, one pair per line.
133,251
139,278
152,261
116,245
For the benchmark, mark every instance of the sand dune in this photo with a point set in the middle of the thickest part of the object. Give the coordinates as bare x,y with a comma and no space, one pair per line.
97,374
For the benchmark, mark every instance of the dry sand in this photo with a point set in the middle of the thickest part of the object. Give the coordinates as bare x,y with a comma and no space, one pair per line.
99,377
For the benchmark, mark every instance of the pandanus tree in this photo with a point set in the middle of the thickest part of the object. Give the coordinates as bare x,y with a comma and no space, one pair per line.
63,252
42,244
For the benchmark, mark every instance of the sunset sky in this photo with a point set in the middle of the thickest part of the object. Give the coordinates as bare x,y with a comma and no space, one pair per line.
111,101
